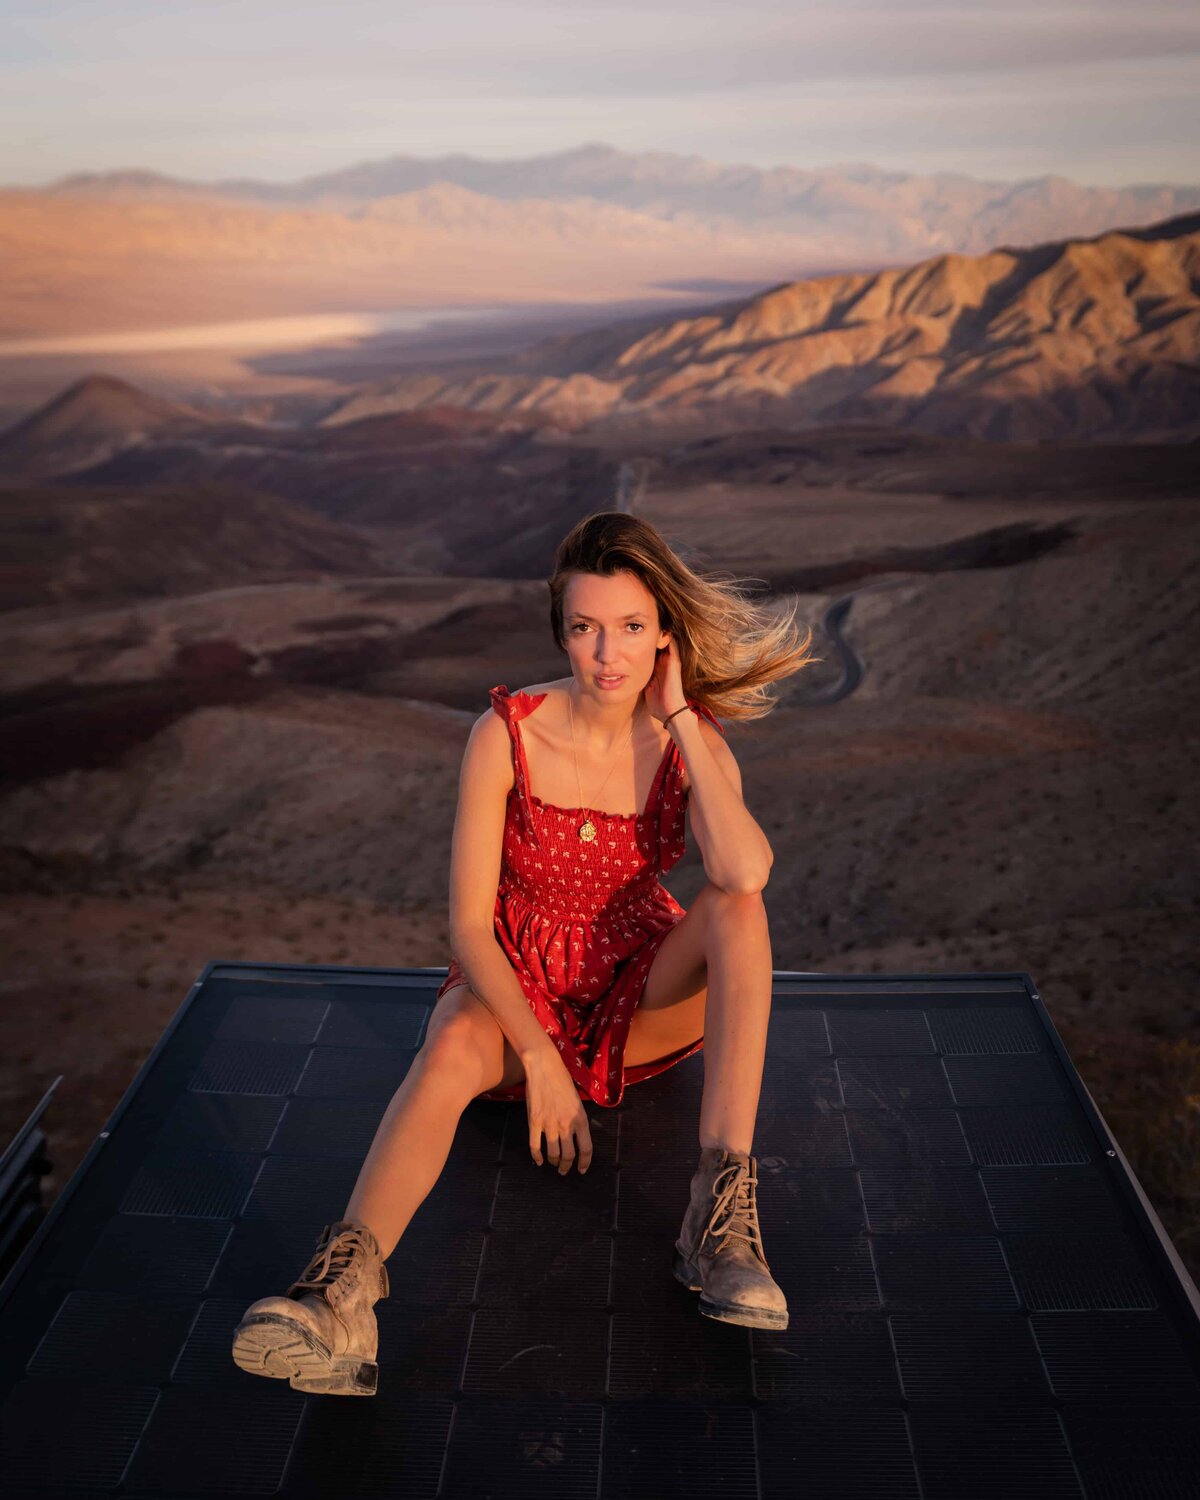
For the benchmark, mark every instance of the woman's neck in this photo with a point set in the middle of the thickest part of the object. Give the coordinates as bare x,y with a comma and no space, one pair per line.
601,727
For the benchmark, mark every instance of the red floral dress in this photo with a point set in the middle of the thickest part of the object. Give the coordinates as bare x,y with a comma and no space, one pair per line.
581,922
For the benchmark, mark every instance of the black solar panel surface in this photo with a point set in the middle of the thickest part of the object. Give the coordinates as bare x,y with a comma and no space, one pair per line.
979,1305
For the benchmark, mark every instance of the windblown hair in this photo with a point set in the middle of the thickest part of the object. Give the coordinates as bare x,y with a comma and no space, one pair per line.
730,647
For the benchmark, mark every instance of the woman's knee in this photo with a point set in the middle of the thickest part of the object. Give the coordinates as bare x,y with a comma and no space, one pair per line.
734,906
463,1039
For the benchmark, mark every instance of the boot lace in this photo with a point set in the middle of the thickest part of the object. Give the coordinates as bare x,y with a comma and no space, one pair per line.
334,1256
734,1192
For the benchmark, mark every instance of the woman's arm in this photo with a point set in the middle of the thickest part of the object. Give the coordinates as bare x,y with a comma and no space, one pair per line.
483,786
736,854
495,982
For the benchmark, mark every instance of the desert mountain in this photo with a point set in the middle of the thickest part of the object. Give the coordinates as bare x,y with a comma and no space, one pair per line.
1091,338
90,420
106,492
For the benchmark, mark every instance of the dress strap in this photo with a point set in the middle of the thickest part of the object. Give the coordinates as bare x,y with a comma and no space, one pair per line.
512,707
704,713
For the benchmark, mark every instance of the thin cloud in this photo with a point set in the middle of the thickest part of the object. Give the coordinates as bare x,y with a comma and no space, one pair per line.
223,89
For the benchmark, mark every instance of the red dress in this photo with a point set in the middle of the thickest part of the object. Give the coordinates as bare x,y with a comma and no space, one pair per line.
581,922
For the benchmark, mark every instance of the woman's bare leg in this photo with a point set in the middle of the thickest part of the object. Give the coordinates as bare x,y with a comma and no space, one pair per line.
737,1013
465,1053
712,978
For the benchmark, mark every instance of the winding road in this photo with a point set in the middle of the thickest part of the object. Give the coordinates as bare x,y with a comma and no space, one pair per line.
853,668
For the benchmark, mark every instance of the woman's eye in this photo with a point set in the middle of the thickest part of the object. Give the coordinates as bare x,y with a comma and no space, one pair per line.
633,625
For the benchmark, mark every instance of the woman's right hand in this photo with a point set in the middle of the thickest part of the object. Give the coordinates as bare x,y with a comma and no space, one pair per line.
556,1111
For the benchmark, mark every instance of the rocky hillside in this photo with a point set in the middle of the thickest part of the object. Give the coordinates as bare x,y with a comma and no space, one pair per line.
65,544
1095,338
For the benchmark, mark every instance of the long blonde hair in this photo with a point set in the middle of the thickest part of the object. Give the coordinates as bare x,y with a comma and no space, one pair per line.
730,648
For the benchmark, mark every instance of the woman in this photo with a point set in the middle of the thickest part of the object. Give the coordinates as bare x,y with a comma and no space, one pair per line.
575,971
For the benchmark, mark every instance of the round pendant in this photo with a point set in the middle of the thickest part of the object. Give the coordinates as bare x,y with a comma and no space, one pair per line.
587,831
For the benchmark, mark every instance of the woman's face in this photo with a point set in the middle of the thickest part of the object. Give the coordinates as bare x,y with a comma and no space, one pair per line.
610,627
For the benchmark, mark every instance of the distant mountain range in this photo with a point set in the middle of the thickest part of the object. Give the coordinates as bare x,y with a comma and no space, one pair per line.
121,252
870,211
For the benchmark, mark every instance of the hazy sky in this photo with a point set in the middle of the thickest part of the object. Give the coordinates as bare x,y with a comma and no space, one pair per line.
1104,93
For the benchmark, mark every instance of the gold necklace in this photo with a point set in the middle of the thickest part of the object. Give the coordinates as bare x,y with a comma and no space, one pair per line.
587,829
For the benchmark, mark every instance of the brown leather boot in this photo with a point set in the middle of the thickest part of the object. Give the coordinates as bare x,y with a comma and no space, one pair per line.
719,1251
321,1335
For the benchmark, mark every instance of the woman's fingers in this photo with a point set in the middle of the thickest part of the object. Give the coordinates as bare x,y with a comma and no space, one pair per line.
553,1151
567,1146
564,1151
556,1111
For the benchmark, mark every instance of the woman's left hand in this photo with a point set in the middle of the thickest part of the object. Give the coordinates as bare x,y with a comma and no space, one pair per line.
664,691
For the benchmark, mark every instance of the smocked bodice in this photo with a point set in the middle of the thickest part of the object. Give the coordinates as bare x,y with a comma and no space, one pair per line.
547,865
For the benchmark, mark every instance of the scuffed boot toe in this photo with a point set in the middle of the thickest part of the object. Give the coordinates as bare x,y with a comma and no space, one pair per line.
753,1301
287,1339
321,1335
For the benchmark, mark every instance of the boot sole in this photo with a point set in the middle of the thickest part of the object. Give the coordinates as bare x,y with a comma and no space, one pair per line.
745,1317
725,1312
282,1350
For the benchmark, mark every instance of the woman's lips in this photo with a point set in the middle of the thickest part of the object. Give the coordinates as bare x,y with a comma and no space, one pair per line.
610,681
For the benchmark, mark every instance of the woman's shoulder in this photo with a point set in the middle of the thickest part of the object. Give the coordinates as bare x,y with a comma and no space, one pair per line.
541,689
524,700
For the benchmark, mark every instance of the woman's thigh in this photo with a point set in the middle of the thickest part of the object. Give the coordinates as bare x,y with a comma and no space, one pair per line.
461,1007
670,1014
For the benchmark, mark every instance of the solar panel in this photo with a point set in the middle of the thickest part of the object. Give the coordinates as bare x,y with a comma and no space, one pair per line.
981,1299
